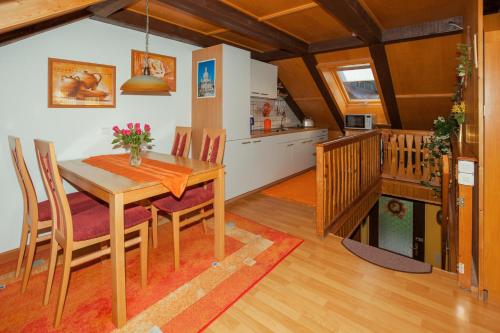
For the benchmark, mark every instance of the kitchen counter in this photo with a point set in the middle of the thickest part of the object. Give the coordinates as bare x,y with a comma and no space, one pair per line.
276,131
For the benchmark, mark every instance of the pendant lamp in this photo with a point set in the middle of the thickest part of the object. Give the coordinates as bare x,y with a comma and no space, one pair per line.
146,84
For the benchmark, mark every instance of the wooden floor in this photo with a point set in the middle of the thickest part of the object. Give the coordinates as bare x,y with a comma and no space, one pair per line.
321,287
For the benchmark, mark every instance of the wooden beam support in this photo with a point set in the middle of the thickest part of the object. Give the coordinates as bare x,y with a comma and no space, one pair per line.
230,18
336,44
430,29
291,102
108,7
311,64
135,21
354,17
379,57
274,55
36,28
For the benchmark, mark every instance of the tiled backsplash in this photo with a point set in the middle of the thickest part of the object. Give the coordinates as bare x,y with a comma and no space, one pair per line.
277,105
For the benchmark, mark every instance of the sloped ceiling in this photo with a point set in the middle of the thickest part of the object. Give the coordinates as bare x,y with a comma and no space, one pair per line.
422,71
296,77
423,74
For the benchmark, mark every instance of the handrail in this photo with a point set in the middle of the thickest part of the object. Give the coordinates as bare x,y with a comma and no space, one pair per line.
347,170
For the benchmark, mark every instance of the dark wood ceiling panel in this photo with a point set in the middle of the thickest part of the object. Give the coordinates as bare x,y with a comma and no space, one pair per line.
311,25
395,13
425,66
170,14
244,41
265,8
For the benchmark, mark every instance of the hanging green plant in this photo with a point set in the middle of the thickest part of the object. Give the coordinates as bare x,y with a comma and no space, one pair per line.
439,143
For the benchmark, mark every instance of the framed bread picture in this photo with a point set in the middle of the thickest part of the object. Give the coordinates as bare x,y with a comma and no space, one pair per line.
161,66
76,84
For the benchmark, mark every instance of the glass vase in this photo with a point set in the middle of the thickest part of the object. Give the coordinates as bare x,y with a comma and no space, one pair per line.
135,156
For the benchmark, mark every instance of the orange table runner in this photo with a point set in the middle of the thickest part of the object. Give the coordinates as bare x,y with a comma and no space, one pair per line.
173,177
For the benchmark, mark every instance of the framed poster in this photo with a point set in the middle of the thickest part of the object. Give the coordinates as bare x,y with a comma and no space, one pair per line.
205,82
161,66
76,84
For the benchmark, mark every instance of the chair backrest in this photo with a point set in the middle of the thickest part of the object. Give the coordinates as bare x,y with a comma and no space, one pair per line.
213,144
182,141
62,224
30,200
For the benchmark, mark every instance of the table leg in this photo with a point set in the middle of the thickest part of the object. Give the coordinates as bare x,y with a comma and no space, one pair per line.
119,306
219,214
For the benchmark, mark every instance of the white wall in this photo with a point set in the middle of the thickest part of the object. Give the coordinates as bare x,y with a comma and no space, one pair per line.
77,132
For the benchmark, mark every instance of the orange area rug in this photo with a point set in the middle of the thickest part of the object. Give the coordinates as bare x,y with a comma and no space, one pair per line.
301,189
184,301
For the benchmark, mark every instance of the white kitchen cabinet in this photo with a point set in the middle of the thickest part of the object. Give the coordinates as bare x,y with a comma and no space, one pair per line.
254,163
235,97
263,80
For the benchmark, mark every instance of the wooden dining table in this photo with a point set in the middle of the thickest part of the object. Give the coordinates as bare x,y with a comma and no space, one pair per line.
118,191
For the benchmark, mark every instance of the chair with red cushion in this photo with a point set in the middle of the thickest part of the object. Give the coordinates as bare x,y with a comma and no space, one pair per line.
36,215
182,142
73,232
198,198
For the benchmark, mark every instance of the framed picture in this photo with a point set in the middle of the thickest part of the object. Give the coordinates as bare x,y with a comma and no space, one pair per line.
75,84
161,66
205,82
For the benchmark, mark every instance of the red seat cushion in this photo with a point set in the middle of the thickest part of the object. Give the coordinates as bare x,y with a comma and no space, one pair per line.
191,197
78,202
94,222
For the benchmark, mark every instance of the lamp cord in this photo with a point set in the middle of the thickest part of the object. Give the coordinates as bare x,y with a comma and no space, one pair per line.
145,70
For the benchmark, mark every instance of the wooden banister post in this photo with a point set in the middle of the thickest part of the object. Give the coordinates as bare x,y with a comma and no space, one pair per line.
465,217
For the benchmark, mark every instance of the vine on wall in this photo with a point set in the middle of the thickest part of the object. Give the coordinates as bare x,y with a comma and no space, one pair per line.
444,127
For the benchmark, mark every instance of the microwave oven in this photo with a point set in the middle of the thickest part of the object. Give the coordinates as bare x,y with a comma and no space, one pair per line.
359,121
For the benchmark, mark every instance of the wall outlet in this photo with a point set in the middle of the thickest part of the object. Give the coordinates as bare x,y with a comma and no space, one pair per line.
460,268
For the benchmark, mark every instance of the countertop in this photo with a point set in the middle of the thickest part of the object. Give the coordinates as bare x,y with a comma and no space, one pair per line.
261,133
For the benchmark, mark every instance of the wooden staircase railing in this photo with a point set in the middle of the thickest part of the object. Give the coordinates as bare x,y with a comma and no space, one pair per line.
404,156
347,181
352,174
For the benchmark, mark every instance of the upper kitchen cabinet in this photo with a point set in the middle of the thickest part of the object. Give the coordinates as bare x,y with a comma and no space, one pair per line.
263,80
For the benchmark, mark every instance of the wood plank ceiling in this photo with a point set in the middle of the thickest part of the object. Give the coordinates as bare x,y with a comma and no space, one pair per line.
299,36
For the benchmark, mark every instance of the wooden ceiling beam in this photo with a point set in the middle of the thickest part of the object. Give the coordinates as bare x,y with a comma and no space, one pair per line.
274,55
108,7
354,17
379,57
135,21
311,65
230,18
336,44
429,29
291,102
36,28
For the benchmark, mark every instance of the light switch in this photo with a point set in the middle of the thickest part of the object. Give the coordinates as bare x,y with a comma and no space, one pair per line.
466,166
466,179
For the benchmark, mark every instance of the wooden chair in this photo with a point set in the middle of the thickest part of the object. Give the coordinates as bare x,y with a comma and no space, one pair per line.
182,141
73,232
198,198
36,215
